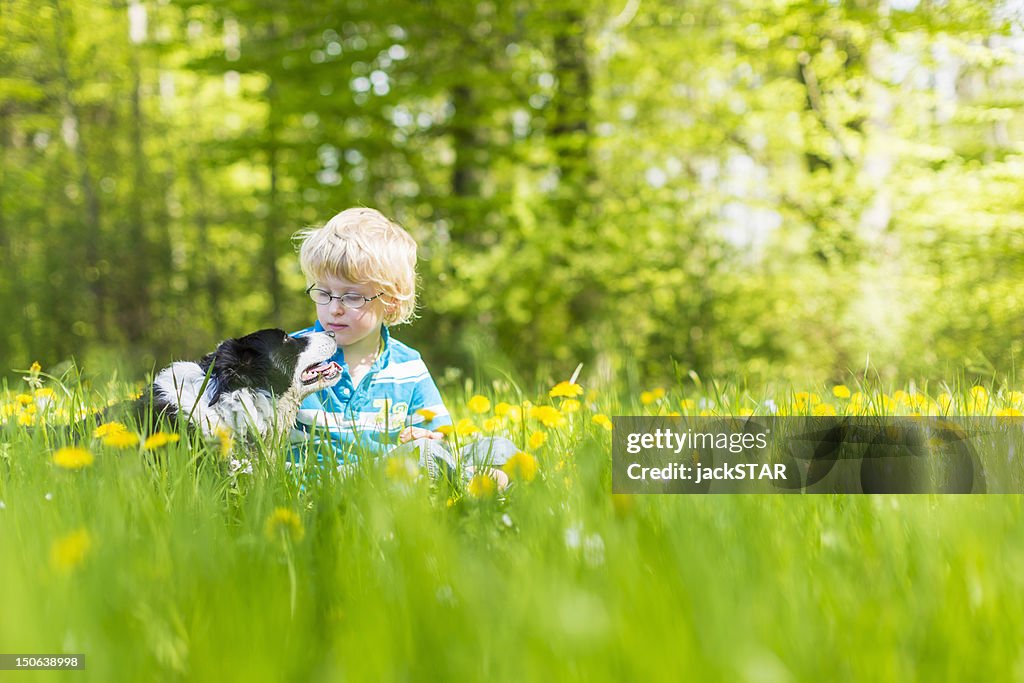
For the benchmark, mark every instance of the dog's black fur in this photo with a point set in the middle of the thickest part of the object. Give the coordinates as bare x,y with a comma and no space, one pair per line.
252,383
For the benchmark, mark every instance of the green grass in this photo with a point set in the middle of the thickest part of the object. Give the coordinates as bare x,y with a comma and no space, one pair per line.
391,579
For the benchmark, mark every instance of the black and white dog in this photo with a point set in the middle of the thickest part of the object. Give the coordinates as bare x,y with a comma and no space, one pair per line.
249,385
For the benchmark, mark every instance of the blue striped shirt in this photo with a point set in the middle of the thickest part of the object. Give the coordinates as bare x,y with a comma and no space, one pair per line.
344,421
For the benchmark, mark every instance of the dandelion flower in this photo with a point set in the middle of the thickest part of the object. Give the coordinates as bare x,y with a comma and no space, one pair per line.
282,524
482,486
447,430
36,368
26,419
69,551
538,439
1016,397
226,440
569,406
521,466
401,469
823,409
602,420
121,439
72,458
566,390
548,415
1009,412
108,429
159,439
465,427
427,414
43,392
479,404
841,391
649,397
493,424
24,399
502,409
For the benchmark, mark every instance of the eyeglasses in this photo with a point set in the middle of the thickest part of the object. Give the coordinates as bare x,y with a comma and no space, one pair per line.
350,300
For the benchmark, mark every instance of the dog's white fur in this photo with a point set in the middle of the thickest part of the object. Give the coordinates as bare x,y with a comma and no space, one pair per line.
242,410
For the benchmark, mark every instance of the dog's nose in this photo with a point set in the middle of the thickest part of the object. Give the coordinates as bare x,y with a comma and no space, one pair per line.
330,333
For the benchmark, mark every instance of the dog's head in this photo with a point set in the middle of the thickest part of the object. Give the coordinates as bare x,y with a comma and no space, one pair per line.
272,361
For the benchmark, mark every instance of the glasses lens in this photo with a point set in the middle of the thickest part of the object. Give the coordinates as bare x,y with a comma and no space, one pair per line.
319,296
353,301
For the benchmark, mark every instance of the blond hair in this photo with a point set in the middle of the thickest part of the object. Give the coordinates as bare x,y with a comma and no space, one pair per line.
365,247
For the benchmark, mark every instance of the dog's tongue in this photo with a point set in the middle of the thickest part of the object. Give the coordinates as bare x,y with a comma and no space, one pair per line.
327,369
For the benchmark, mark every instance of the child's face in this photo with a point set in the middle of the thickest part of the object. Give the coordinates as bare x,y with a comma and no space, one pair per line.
351,325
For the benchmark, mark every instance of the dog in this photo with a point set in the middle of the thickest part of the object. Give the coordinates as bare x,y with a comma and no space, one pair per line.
251,385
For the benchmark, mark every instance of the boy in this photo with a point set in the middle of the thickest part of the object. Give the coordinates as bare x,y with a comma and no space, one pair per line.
362,270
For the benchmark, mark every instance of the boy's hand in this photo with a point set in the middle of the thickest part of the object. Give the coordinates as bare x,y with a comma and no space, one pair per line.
410,433
498,476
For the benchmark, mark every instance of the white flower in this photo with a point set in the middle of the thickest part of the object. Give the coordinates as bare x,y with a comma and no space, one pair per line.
243,466
572,537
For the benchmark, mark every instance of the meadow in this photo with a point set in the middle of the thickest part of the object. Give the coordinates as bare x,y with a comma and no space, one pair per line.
167,559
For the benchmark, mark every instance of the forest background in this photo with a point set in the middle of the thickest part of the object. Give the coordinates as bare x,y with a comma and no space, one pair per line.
785,189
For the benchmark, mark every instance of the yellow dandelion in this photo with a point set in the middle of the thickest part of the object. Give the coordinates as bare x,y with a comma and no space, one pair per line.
121,439
226,440
159,439
602,420
447,430
107,429
566,389
72,458
26,419
493,424
43,392
841,391
9,409
502,409
465,427
24,399
745,412
1009,412
69,551
482,486
1015,397
36,368
515,414
538,439
649,397
569,406
804,400
823,409
479,404
548,415
521,466
979,399
688,404
283,524
427,414
401,469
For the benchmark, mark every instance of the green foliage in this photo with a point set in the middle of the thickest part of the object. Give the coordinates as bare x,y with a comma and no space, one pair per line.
784,189
164,563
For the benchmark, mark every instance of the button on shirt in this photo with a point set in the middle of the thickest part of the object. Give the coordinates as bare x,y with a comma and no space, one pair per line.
345,421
